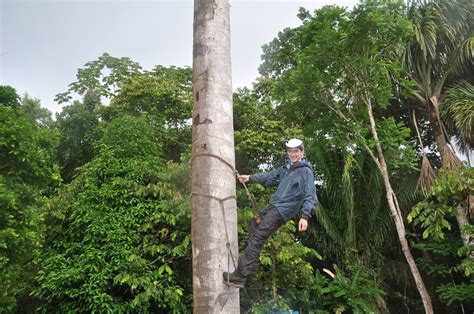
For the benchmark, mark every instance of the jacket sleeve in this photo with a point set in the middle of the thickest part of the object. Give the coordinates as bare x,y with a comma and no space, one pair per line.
266,178
310,198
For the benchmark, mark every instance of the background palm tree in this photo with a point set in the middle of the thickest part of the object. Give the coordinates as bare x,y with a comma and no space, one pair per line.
439,55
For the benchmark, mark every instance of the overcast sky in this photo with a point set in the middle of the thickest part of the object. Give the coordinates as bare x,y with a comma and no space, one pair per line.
44,42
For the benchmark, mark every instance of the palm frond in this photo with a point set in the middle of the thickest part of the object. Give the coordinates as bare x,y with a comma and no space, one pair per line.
461,60
442,43
458,107
327,221
399,272
427,176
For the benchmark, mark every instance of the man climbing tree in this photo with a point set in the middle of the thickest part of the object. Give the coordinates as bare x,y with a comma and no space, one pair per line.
295,191
214,216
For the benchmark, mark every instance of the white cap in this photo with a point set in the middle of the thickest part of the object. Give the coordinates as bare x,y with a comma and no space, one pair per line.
295,143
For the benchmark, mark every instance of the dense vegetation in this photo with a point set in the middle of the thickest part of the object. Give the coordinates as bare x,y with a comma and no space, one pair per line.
95,203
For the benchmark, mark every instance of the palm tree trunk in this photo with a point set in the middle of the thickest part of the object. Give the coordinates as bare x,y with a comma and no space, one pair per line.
449,159
396,213
214,216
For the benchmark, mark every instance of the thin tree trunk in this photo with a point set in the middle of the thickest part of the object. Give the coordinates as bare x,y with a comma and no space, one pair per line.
396,214
463,219
214,216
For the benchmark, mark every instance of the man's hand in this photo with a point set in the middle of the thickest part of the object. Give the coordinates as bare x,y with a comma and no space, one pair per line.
244,178
302,225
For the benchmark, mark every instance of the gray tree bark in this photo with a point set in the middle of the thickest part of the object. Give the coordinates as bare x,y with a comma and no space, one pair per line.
213,203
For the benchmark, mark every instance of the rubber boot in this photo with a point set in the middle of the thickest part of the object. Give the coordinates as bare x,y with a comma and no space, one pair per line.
234,279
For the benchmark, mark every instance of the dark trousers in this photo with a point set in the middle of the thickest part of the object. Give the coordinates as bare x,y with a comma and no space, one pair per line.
258,234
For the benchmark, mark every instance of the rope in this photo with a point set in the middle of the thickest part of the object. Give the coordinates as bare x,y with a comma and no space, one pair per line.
221,203
217,157
249,195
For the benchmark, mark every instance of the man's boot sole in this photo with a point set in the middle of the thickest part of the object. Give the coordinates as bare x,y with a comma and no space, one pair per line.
234,284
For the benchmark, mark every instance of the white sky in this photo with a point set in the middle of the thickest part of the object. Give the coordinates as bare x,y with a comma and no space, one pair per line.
44,42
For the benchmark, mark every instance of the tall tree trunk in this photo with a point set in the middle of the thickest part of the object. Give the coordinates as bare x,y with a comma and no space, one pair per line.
214,216
396,213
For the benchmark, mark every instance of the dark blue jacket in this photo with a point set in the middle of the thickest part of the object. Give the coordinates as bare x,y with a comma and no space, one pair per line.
296,189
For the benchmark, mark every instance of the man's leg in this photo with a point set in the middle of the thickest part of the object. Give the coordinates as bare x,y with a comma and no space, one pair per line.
271,222
251,227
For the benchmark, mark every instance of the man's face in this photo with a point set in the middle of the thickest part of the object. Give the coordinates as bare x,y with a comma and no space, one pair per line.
295,154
